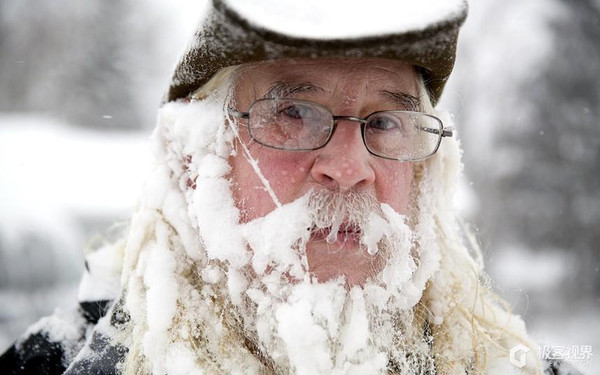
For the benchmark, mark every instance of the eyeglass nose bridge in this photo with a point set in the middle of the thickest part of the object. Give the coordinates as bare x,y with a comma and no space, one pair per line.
360,120
336,119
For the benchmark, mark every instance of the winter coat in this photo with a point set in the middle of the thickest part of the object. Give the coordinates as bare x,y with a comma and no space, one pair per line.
43,352
73,342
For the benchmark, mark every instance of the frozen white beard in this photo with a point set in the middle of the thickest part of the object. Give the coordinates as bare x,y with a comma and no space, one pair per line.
295,324
307,327
207,294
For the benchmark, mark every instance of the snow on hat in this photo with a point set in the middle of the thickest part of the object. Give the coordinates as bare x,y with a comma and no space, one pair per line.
420,32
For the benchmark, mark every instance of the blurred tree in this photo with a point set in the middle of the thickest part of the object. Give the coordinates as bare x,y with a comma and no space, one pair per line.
80,61
550,192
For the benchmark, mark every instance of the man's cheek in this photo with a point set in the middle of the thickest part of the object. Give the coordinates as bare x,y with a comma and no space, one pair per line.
286,176
394,186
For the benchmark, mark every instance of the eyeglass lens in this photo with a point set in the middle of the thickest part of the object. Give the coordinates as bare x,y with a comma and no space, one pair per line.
290,125
402,135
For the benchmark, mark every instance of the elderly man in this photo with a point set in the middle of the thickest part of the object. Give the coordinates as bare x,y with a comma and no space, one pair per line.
299,219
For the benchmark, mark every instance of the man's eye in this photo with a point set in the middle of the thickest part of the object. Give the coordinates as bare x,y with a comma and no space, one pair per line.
384,122
296,111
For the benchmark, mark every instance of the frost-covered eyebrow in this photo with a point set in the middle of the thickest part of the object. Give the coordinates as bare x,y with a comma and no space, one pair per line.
283,89
403,100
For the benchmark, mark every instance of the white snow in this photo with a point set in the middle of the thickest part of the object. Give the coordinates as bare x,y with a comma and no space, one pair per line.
276,247
64,326
333,19
161,298
52,172
102,281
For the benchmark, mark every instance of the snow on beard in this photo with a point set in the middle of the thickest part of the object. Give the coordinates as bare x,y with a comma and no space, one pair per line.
322,327
313,327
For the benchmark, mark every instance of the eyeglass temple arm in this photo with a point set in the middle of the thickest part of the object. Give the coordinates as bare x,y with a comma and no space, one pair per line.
444,132
234,112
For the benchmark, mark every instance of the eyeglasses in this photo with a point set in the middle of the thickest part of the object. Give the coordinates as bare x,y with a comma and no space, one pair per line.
300,125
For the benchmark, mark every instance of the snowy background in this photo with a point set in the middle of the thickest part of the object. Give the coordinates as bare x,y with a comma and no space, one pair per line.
80,83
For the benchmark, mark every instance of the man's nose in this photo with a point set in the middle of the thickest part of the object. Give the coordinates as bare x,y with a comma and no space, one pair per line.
344,163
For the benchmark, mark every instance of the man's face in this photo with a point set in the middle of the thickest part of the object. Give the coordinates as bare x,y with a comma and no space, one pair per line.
348,88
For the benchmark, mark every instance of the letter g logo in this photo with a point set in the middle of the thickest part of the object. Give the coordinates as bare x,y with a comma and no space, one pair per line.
518,355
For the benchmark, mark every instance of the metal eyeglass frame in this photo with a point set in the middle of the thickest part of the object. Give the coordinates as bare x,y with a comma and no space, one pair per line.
442,131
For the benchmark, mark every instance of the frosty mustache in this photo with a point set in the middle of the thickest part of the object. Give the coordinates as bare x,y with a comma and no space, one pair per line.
278,241
335,211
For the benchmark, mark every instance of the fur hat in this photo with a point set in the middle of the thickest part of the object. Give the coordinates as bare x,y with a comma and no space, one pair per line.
423,33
